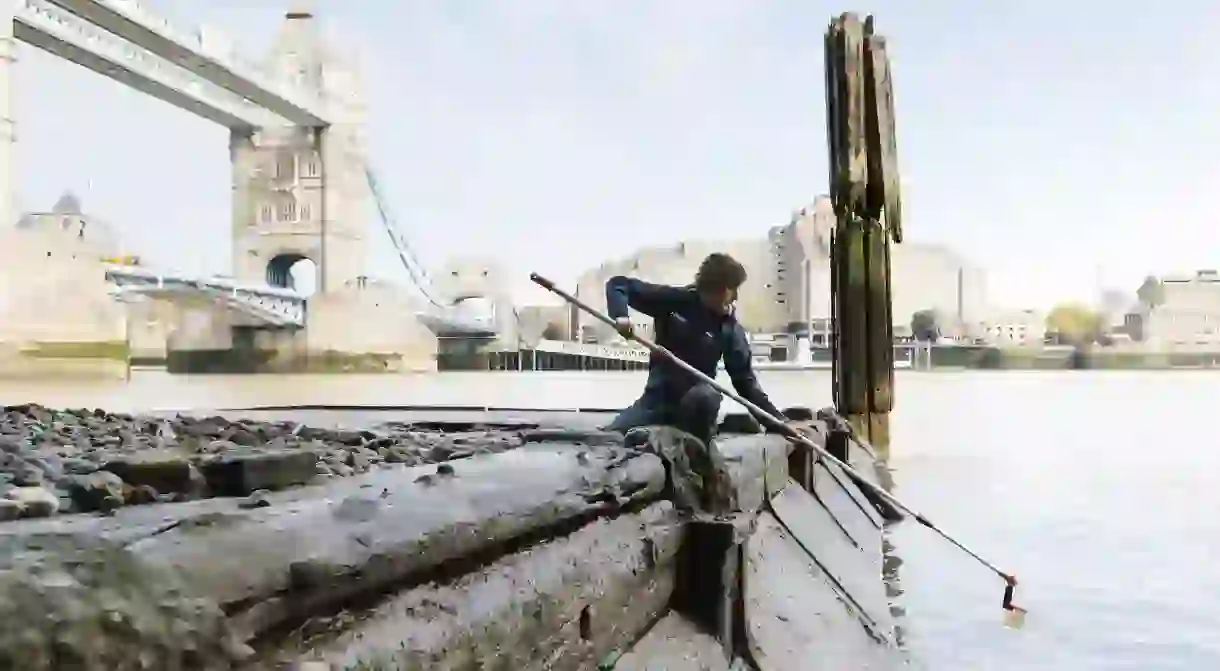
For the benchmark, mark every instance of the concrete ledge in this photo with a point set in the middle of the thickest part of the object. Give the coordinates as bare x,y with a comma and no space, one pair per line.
560,605
101,359
117,350
559,554
236,361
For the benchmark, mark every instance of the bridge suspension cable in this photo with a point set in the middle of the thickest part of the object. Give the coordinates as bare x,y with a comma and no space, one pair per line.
417,271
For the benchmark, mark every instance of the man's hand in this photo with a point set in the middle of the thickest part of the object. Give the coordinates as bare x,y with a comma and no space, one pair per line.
623,326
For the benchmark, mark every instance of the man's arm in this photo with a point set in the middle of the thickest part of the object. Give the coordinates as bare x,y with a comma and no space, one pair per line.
654,300
737,363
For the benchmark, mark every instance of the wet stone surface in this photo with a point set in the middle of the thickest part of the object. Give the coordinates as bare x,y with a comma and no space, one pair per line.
54,462
72,603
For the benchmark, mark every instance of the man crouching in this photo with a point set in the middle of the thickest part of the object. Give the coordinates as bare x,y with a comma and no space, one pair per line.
697,324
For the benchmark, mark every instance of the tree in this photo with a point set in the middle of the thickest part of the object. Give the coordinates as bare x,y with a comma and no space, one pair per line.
1151,293
1074,323
925,325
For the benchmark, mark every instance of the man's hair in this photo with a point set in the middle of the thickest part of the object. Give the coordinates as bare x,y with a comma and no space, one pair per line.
718,272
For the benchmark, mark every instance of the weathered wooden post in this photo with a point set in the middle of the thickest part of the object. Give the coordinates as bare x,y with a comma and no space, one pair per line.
864,188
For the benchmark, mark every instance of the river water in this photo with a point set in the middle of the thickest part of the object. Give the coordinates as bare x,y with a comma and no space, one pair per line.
1101,490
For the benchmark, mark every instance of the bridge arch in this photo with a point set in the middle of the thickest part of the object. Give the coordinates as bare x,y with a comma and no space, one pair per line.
293,270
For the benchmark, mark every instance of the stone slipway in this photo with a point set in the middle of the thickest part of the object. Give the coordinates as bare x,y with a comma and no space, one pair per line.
559,552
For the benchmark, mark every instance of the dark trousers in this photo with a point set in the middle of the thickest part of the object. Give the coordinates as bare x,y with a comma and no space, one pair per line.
695,413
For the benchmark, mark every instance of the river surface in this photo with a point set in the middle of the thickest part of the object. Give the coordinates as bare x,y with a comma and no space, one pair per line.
1101,490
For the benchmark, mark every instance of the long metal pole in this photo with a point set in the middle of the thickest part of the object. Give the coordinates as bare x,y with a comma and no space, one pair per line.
790,434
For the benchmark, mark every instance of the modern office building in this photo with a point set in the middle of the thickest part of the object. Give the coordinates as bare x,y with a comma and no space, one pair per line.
789,286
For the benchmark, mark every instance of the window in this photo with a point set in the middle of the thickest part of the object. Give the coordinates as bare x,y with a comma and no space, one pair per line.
305,213
265,214
288,210
284,164
311,168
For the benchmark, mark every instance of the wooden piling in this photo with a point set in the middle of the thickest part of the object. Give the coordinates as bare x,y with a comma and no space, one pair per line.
865,190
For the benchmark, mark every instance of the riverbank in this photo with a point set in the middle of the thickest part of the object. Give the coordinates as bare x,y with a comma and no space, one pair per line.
64,461
1061,358
551,545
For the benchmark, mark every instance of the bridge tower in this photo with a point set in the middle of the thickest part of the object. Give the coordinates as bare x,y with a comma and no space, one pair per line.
302,193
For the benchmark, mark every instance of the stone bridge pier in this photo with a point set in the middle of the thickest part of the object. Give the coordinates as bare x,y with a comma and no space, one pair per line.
478,286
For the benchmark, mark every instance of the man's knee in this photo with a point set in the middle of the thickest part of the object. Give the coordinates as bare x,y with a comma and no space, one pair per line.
637,414
702,400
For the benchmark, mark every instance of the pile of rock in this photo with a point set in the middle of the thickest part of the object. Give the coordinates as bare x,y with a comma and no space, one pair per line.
57,461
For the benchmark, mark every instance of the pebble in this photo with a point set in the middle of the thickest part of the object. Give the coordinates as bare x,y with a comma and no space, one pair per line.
257,499
54,461
11,510
37,502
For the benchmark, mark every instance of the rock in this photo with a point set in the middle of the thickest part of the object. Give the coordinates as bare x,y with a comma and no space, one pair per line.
591,438
11,510
311,433
241,474
102,491
155,458
27,475
37,502
73,466
48,462
439,453
258,499
351,438
358,462
166,433
401,455
142,494
241,436
166,471
72,603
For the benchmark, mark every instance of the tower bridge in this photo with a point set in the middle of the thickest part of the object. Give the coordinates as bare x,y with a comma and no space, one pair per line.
302,189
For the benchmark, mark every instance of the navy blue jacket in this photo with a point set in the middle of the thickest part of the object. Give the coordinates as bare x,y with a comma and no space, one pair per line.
699,336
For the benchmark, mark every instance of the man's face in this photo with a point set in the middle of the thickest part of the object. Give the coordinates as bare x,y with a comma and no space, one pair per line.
719,301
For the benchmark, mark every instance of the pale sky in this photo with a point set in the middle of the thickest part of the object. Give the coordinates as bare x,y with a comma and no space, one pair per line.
1053,143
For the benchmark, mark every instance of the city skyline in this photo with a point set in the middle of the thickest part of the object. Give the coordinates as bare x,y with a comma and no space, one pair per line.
606,127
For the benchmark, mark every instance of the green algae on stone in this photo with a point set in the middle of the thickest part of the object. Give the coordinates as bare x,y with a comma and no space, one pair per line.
91,605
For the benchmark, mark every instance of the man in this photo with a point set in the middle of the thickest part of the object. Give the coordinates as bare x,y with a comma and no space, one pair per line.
697,324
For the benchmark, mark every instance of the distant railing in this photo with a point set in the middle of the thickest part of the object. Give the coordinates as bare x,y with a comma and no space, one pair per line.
592,350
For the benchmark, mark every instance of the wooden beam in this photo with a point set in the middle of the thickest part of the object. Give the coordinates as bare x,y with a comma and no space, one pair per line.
865,190
316,548
564,605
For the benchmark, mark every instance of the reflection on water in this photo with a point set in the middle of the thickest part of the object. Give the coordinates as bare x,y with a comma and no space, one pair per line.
1099,489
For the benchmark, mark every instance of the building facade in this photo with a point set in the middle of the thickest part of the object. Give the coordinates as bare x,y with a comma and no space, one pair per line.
1017,328
676,264
73,232
789,286
923,277
1188,312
